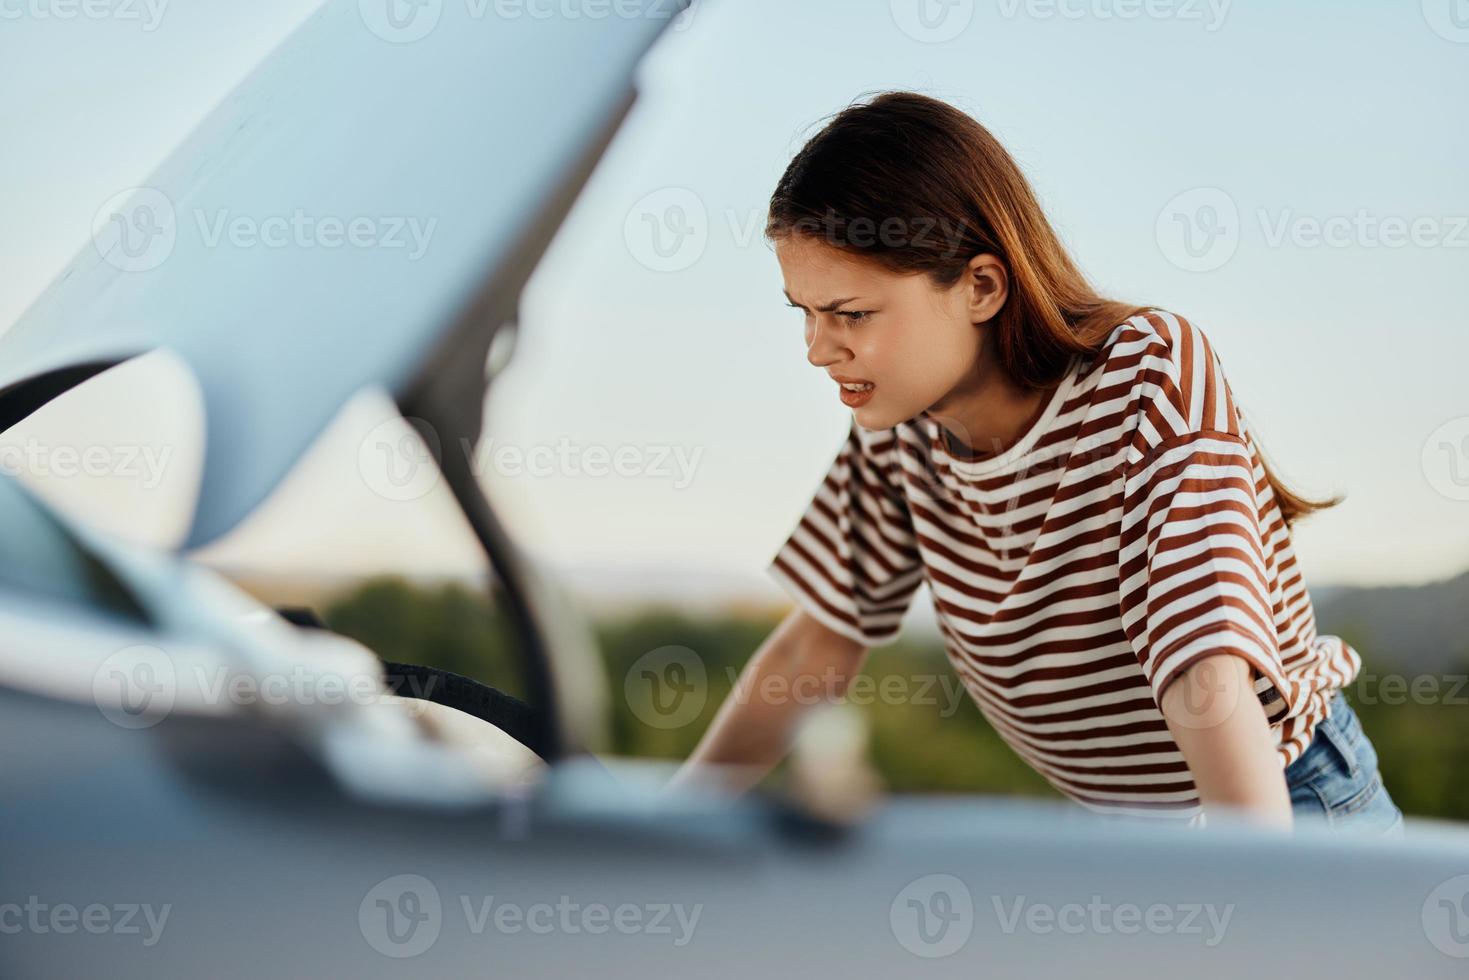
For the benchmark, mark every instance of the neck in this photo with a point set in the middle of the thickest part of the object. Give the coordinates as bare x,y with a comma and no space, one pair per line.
987,413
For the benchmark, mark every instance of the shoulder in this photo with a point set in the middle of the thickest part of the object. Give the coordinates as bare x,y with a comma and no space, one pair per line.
888,457
1158,340
1172,379
867,453
880,449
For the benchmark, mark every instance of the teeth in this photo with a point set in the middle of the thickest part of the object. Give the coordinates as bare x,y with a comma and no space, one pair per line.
856,387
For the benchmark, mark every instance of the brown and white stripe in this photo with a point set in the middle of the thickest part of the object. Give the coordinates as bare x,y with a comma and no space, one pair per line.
1129,532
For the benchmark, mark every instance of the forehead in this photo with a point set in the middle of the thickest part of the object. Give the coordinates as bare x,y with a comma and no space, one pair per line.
816,271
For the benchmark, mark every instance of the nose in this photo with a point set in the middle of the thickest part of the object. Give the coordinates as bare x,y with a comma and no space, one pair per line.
823,346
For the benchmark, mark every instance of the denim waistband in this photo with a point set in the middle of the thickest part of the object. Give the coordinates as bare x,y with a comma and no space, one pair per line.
1343,730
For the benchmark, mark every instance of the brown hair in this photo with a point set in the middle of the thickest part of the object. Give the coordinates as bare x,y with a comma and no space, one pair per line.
917,185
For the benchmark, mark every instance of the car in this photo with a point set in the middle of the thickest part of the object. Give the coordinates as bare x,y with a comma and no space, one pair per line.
165,815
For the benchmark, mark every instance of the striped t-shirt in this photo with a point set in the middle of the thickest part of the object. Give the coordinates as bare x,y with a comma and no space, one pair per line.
1129,532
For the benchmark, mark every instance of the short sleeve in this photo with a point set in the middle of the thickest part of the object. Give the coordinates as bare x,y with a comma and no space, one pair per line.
852,561
1194,580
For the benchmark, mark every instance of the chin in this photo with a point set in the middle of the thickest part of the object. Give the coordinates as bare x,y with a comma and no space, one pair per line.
873,418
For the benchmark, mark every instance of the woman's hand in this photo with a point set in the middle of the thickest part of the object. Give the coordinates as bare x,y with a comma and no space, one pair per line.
1221,729
806,661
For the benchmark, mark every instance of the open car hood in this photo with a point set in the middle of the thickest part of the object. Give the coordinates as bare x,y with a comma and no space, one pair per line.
424,124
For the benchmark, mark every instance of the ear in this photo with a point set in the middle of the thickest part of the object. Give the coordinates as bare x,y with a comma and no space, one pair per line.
987,284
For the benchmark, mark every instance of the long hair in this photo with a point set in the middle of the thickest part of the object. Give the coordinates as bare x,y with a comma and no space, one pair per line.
917,185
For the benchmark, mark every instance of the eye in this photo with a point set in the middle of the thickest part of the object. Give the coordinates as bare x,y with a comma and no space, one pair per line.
851,316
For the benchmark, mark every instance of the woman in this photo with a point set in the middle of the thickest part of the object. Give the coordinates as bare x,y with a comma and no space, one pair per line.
1109,555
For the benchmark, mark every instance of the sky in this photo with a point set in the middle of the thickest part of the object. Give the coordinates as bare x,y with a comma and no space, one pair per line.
1289,177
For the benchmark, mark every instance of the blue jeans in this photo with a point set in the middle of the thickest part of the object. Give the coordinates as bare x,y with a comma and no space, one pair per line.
1336,782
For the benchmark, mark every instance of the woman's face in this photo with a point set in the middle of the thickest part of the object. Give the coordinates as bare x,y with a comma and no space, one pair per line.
916,344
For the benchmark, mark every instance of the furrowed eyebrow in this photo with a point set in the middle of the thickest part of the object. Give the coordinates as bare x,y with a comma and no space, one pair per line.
828,308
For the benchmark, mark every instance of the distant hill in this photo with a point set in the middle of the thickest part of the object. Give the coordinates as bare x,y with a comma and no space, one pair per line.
1423,628
1416,627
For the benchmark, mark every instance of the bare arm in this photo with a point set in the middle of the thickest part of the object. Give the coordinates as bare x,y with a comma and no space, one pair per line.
801,664
1223,733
